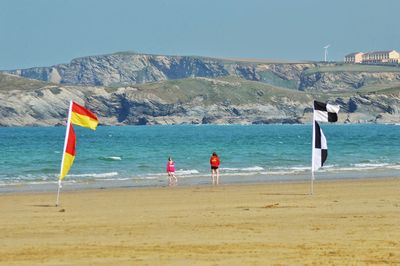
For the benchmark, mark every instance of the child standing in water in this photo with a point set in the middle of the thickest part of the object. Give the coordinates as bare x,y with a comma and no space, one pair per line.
214,162
172,180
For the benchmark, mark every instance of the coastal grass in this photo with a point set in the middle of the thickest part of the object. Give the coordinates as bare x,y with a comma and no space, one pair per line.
229,90
350,68
382,88
10,82
234,90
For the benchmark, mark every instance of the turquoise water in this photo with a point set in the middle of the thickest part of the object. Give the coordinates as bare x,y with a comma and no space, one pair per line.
137,155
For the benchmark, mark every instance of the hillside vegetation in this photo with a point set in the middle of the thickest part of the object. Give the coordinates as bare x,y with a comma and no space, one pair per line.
12,82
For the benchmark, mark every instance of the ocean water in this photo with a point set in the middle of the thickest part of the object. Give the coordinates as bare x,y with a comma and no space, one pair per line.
136,155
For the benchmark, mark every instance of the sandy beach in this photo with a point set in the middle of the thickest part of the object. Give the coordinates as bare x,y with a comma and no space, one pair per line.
349,222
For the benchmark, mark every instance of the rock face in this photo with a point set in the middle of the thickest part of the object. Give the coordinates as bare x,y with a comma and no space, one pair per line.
139,89
190,101
344,81
129,68
123,69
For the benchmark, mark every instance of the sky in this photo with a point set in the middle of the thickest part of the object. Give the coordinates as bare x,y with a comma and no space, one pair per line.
49,32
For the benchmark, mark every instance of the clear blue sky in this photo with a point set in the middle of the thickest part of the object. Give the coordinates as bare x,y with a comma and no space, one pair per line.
48,32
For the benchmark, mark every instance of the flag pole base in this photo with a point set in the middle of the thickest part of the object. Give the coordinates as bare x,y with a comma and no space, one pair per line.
312,183
58,192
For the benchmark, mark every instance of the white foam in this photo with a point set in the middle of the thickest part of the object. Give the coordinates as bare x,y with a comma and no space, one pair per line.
294,169
240,174
230,169
186,172
115,158
376,165
300,168
111,158
395,166
96,175
151,177
253,168
359,167
115,179
246,169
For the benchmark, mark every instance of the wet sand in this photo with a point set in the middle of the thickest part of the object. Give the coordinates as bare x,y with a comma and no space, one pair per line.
349,222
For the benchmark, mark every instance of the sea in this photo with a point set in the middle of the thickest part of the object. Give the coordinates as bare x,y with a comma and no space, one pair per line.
136,156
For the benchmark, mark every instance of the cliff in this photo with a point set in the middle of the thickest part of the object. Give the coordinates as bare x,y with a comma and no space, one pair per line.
223,100
124,69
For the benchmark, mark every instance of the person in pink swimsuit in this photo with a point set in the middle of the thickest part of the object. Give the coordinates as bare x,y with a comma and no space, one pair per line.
172,180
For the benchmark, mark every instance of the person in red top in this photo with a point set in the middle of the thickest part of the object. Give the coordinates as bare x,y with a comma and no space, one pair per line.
214,162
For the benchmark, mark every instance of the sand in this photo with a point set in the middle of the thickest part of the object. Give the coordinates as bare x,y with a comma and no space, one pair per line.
352,222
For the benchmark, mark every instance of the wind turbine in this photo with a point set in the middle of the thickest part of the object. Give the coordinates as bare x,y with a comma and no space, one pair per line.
326,51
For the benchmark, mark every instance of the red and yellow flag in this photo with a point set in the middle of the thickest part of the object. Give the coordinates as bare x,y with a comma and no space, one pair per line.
83,117
69,153
78,115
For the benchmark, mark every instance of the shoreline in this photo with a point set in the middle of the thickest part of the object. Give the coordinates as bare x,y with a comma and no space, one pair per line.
305,183
344,222
203,180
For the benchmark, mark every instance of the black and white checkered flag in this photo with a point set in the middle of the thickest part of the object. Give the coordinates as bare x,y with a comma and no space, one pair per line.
325,112
320,147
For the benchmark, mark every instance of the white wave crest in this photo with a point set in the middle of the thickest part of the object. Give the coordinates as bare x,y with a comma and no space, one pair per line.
115,158
116,179
111,158
245,169
96,175
186,172
395,166
375,165
290,170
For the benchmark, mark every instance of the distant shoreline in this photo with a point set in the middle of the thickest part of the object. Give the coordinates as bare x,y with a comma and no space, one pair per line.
210,124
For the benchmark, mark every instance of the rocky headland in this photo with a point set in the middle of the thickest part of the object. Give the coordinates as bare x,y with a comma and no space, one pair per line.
138,89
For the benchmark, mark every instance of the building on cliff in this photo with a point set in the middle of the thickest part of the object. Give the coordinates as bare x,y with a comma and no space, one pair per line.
376,57
354,58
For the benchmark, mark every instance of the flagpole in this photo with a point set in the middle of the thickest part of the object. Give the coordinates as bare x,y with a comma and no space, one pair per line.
312,155
65,147
312,183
